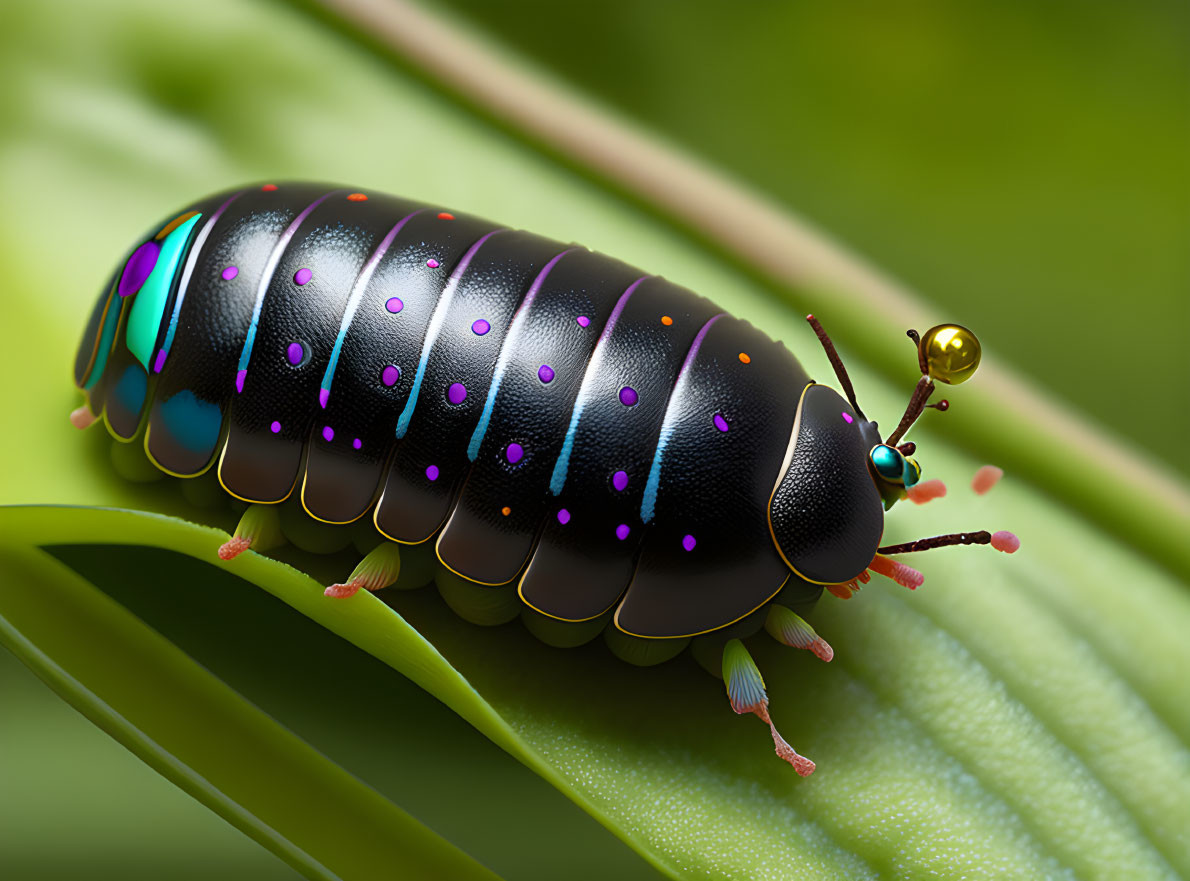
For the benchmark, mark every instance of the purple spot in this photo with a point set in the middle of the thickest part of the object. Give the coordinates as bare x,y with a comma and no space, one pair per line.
394,305
583,320
720,422
240,376
324,395
545,373
480,327
432,472
688,542
357,444
620,481
230,272
514,453
622,531
328,433
432,263
390,374
457,393
160,362
563,516
295,353
847,417
138,268
628,396
302,275
275,427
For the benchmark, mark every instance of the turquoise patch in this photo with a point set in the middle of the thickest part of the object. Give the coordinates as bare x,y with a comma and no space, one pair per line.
194,424
110,319
148,306
131,387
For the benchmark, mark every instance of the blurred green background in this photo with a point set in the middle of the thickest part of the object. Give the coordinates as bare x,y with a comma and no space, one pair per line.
1025,165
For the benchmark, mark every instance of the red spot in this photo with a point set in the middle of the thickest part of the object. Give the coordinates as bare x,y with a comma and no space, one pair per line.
442,215
229,550
1005,541
268,188
357,197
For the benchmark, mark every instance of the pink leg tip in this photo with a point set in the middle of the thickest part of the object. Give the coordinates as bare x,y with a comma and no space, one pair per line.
822,649
233,548
342,591
985,478
926,491
1005,541
82,417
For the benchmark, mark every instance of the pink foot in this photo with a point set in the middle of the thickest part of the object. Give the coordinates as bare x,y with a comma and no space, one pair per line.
229,550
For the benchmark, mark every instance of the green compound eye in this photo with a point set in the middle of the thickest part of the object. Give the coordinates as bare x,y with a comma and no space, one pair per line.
912,473
888,462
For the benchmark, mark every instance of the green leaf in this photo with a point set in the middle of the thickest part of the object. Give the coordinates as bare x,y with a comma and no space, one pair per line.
1015,717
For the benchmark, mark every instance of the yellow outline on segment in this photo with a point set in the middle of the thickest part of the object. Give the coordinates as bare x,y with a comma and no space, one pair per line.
520,593
158,465
302,499
174,224
219,474
797,421
376,513
771,597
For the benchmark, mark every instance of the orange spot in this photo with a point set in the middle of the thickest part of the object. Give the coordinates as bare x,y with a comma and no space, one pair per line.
442,215
666,320
745,357
175,223
357,197
506,510
268,188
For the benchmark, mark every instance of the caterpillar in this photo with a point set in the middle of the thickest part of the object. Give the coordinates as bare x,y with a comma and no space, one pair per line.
594,445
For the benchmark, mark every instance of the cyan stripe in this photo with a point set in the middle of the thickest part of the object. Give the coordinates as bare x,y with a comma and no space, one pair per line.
267,278
558,478
669,424
436,322
506,349
357,294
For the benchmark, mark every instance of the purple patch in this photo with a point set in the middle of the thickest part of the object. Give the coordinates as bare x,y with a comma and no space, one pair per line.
720,422
357,444
457,393
480,327
622,531
846,417
620,481
390,374
302,275
241,375
324,395
328,433
628,396
432,263
275,427
295,353
394,305
545,373
432,472
514,453
160,362
229,273
583,320
688,542
563,516
138,268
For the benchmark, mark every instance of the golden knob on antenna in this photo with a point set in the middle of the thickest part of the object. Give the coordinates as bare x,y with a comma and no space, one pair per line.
952,353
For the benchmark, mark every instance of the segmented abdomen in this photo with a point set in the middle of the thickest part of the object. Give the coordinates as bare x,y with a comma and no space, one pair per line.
542,409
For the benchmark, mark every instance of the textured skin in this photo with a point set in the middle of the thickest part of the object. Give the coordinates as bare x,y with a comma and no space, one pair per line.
826,511
340,392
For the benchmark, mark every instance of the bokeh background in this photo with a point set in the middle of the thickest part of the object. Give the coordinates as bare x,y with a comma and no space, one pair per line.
1023,165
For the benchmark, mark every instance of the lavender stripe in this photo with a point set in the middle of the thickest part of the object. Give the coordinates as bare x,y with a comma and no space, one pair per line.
558,478
515,328
353,301
184,284
436,322
669,424
266,279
